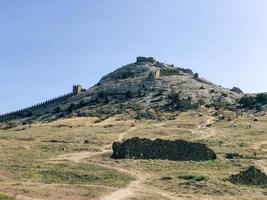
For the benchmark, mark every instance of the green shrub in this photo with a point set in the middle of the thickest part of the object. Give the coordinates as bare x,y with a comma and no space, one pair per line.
71,108
232,156
194,178
261,99
254,102
5,197
129,94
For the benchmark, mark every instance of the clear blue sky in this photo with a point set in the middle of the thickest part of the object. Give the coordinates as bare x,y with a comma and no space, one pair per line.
46,46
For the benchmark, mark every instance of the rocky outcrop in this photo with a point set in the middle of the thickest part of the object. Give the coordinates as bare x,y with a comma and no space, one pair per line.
177,150
252,176
237,90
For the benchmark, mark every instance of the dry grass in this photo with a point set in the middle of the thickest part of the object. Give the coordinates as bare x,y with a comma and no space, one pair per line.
27,173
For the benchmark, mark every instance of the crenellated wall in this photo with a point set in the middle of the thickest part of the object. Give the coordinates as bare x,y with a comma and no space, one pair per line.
165,72
15,114
169,72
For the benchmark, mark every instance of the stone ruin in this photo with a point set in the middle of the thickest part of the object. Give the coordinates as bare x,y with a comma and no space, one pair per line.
141,59
252,176
77,89
177,150
168,72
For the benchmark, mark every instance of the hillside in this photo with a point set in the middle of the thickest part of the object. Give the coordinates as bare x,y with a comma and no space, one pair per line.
144,89
148,130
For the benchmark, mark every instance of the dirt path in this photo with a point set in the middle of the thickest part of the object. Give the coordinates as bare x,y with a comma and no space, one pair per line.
203,130
136,187
133,188
79,156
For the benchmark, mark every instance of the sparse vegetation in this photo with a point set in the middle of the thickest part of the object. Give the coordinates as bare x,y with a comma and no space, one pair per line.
254,102
69,152
27,153
5,197
194,178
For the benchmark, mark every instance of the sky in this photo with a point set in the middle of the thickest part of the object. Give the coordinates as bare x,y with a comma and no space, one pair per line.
47,46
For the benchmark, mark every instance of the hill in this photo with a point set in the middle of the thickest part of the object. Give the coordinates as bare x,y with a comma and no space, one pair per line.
144,89
146,131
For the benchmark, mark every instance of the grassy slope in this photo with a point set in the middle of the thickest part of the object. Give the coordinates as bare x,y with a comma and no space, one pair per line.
25,169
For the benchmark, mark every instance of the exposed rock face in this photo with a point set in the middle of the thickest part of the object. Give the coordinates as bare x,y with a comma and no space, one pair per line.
252,176
237,90
177,150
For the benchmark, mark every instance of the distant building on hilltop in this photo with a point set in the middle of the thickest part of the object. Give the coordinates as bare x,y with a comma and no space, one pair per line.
77,89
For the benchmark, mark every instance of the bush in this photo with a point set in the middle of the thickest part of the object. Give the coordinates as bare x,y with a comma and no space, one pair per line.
58,109
129,94
247,101
261,99
232,156
194,178
5,197
82,103
27,113
72,107
254,102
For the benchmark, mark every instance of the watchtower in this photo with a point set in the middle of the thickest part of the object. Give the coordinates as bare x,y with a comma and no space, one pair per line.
77,89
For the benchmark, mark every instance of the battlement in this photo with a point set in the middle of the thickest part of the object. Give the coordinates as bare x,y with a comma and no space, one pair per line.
28,111
169,72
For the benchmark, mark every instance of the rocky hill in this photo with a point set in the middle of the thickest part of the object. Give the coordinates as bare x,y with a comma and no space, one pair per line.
144,89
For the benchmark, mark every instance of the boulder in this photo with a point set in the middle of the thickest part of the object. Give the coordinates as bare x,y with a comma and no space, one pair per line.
237,90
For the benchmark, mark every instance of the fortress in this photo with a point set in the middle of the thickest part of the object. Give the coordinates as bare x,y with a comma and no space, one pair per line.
76,90
162,69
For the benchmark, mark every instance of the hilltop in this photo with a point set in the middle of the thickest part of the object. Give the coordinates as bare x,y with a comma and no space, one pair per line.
144,89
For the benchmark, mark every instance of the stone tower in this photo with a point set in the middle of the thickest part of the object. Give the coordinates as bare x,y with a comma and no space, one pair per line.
77,89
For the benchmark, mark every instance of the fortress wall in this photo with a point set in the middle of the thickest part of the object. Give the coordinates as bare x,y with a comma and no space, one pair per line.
169,72
14,114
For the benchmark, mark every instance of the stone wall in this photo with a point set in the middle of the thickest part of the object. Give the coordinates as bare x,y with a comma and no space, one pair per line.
145,59
137,148
169,72
77,89
20,113
252,176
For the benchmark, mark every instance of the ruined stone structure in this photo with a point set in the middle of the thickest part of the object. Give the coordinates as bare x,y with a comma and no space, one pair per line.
77,89
145,59
169,72
252,176
166,72
137,148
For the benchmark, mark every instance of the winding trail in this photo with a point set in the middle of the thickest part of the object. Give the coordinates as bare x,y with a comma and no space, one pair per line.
79,156
203,130
133,188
